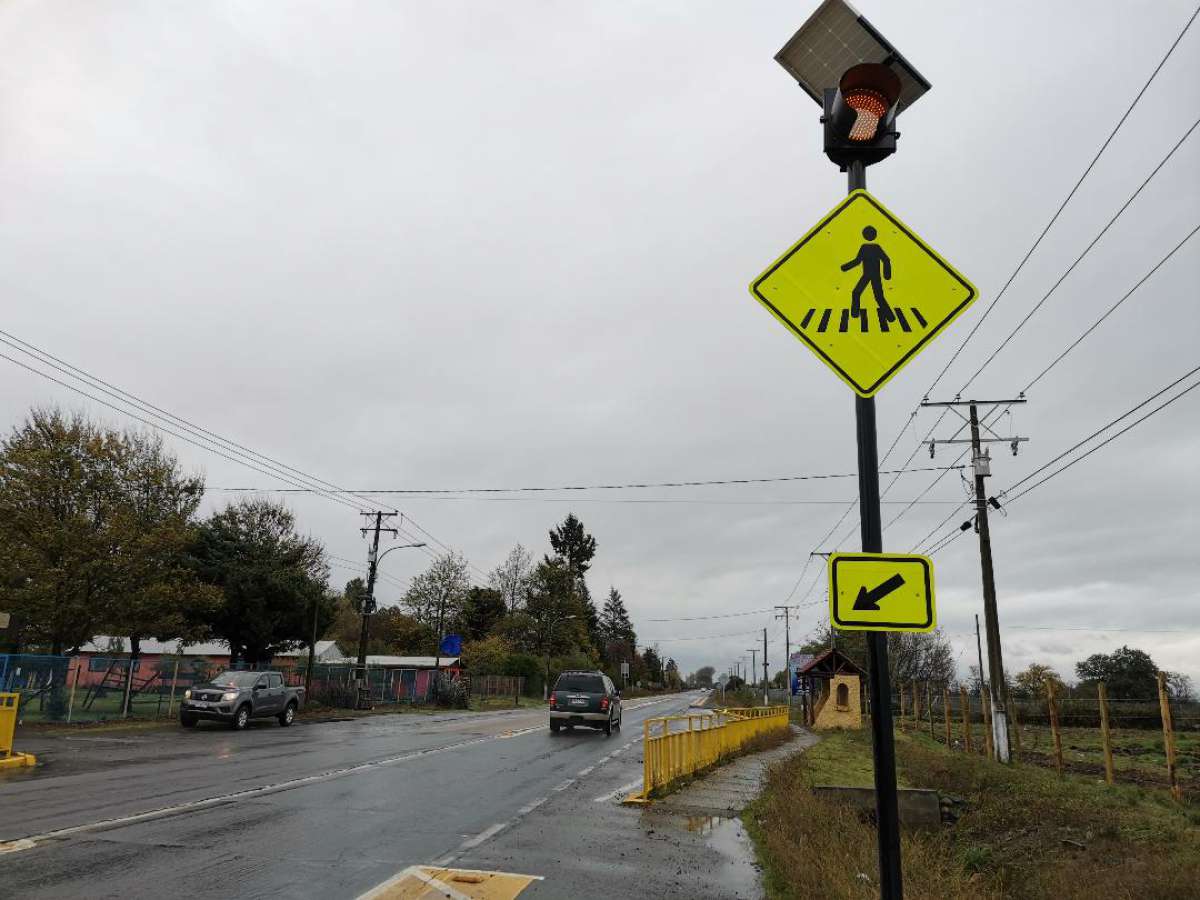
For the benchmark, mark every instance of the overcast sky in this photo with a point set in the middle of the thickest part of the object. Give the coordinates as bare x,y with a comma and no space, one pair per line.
405,245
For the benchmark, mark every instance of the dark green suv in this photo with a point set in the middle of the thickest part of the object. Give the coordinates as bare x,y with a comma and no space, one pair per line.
585,698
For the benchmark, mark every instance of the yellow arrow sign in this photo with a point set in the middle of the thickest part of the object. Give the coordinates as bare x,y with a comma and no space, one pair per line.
863,292
881,592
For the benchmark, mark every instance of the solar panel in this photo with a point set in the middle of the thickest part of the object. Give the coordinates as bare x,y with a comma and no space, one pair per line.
836,37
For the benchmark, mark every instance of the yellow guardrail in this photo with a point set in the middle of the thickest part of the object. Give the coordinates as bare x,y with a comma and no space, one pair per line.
9,758
674,747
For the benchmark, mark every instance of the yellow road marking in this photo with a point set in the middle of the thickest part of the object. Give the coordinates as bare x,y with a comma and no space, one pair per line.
429,882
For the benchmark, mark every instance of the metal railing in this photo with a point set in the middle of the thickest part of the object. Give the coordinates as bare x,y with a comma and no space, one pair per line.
674,747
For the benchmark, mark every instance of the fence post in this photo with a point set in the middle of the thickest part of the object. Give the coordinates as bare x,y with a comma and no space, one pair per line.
946,714
74,684
929,707
1016,722
900,688
985,700
128,688
916,705
966,717
1105,734
1164,706
1053,706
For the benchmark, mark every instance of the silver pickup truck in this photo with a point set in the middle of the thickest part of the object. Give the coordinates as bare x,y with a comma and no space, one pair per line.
237,697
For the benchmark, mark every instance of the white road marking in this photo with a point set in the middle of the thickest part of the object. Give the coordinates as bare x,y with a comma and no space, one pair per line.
446,860
588,771
624,789
249,794
489,832
566,784
530,807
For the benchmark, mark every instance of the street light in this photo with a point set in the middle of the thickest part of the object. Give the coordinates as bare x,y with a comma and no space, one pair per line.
549,641
368,607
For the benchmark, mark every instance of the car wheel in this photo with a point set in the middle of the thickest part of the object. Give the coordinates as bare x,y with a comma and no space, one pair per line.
288,716
554,726
241,718
608,727
618,725
187,721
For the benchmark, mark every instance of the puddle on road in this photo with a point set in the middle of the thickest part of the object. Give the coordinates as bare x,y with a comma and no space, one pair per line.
703,824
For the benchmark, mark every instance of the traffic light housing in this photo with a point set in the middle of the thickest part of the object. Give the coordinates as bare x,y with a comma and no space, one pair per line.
860,115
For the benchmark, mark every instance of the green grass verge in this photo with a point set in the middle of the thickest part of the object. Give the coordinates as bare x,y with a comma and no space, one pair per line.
1025,833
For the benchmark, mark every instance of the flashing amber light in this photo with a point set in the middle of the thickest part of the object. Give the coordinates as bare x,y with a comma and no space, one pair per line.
871,107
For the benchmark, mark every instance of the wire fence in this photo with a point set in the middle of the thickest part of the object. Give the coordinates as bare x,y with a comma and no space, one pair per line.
90,688
1142,741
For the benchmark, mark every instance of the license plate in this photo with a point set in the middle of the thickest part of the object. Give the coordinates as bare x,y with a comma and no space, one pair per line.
579,702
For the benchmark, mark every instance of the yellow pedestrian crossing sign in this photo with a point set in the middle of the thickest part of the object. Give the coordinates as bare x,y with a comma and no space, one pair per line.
881,592
863,292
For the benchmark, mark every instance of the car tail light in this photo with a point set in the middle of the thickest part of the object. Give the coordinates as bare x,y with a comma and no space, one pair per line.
553,702
603,704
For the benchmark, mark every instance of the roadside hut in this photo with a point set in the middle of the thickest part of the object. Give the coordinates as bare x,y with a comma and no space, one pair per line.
833,684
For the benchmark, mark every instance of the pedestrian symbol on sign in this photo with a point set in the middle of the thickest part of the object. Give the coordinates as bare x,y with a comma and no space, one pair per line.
872,259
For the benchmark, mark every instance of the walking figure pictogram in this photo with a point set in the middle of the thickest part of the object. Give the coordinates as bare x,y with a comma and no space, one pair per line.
875,263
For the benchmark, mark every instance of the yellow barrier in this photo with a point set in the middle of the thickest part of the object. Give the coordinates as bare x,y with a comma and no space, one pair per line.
9,758
675,752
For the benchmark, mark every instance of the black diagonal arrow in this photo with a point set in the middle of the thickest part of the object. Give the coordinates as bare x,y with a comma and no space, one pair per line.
870,599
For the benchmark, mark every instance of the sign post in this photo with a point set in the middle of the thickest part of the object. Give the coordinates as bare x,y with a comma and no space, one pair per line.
865,295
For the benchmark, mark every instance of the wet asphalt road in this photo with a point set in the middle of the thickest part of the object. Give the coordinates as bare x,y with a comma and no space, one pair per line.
320,810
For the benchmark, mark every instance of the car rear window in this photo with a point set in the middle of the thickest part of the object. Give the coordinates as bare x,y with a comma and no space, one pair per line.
590,684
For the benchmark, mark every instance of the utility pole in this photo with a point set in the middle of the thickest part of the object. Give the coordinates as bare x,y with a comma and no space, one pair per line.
981,463
766,683
368,605
753,651
787,648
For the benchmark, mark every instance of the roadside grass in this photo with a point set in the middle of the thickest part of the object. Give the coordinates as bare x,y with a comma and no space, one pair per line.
1024,833
490,704
1138,754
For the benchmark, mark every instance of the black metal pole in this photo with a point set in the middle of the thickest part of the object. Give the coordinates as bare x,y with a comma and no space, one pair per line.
887,813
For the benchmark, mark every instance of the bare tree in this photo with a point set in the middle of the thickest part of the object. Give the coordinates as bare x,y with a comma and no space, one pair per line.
512,577
437,595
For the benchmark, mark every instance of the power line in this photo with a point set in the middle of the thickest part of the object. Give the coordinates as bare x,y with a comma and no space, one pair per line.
1105,442
1062,206
195,435
751,612
414,492
1086,250
226,447
1112,308
1014,497
158,427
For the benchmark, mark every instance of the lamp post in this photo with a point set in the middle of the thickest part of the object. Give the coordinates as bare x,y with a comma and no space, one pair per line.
862,83
549,642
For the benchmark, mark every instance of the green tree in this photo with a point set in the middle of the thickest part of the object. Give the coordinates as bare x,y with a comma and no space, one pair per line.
1127,673
58,500
269,577
482,611
704,676
155,591
617,637
575,548
654,666
1032,682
